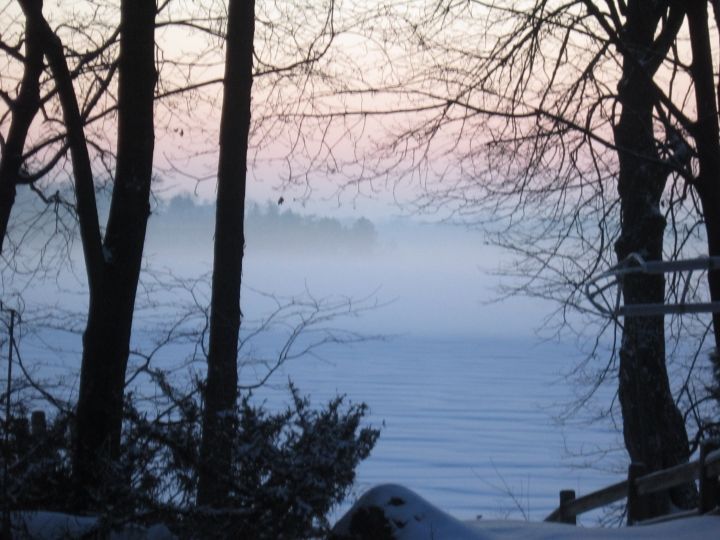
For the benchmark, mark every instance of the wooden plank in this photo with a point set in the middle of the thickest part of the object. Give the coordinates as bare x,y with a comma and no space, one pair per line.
591,501
597,499
664,267
554,516
646,310
668,478
649,483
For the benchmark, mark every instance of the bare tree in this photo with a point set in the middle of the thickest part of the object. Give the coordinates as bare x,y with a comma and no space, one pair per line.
562,128
32,130
114,277
653,428
291,41
112,261
22,109
219,417
705,132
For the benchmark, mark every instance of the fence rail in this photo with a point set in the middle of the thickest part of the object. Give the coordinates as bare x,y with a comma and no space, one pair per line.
640,485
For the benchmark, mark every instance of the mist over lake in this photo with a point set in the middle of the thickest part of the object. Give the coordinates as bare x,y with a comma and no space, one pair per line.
466,392
435,278
360,269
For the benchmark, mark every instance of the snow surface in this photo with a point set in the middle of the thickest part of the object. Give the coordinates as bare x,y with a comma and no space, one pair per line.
467,423
413,518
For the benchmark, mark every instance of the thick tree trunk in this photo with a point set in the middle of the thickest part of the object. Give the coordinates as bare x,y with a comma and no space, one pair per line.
707,136
106,340
219,419
653,428
24,110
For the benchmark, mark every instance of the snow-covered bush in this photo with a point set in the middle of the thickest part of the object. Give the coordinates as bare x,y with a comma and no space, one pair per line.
290,467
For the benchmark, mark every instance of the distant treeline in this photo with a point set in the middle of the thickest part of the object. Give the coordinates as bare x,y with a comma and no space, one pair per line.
268,227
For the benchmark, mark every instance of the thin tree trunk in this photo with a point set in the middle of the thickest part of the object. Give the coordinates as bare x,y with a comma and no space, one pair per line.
653,428
219,419
24,110
106,340
82,170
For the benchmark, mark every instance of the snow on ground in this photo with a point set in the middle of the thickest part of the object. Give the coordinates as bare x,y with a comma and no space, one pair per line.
410,517
54,525
696,528
393,512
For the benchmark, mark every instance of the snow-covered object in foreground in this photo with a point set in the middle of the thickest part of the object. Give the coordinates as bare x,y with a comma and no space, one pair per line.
407,516
394,512
53,525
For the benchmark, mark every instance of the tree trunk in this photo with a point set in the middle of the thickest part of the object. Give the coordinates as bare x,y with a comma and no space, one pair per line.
653,428
219,418
24,110
706,133
106,340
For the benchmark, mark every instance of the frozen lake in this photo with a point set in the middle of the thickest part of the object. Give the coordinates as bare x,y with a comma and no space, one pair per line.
466,398
467,423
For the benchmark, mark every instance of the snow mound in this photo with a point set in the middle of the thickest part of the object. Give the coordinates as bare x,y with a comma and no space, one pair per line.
393,512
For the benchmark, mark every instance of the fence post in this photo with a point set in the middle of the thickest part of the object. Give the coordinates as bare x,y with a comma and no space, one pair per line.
635,505
709,486
566,497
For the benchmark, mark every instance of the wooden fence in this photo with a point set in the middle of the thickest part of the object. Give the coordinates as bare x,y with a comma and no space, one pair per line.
639,485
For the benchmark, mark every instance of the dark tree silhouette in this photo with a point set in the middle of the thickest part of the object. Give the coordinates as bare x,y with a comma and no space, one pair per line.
114,276
219,415
561,128
653,428
113,261
22,110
